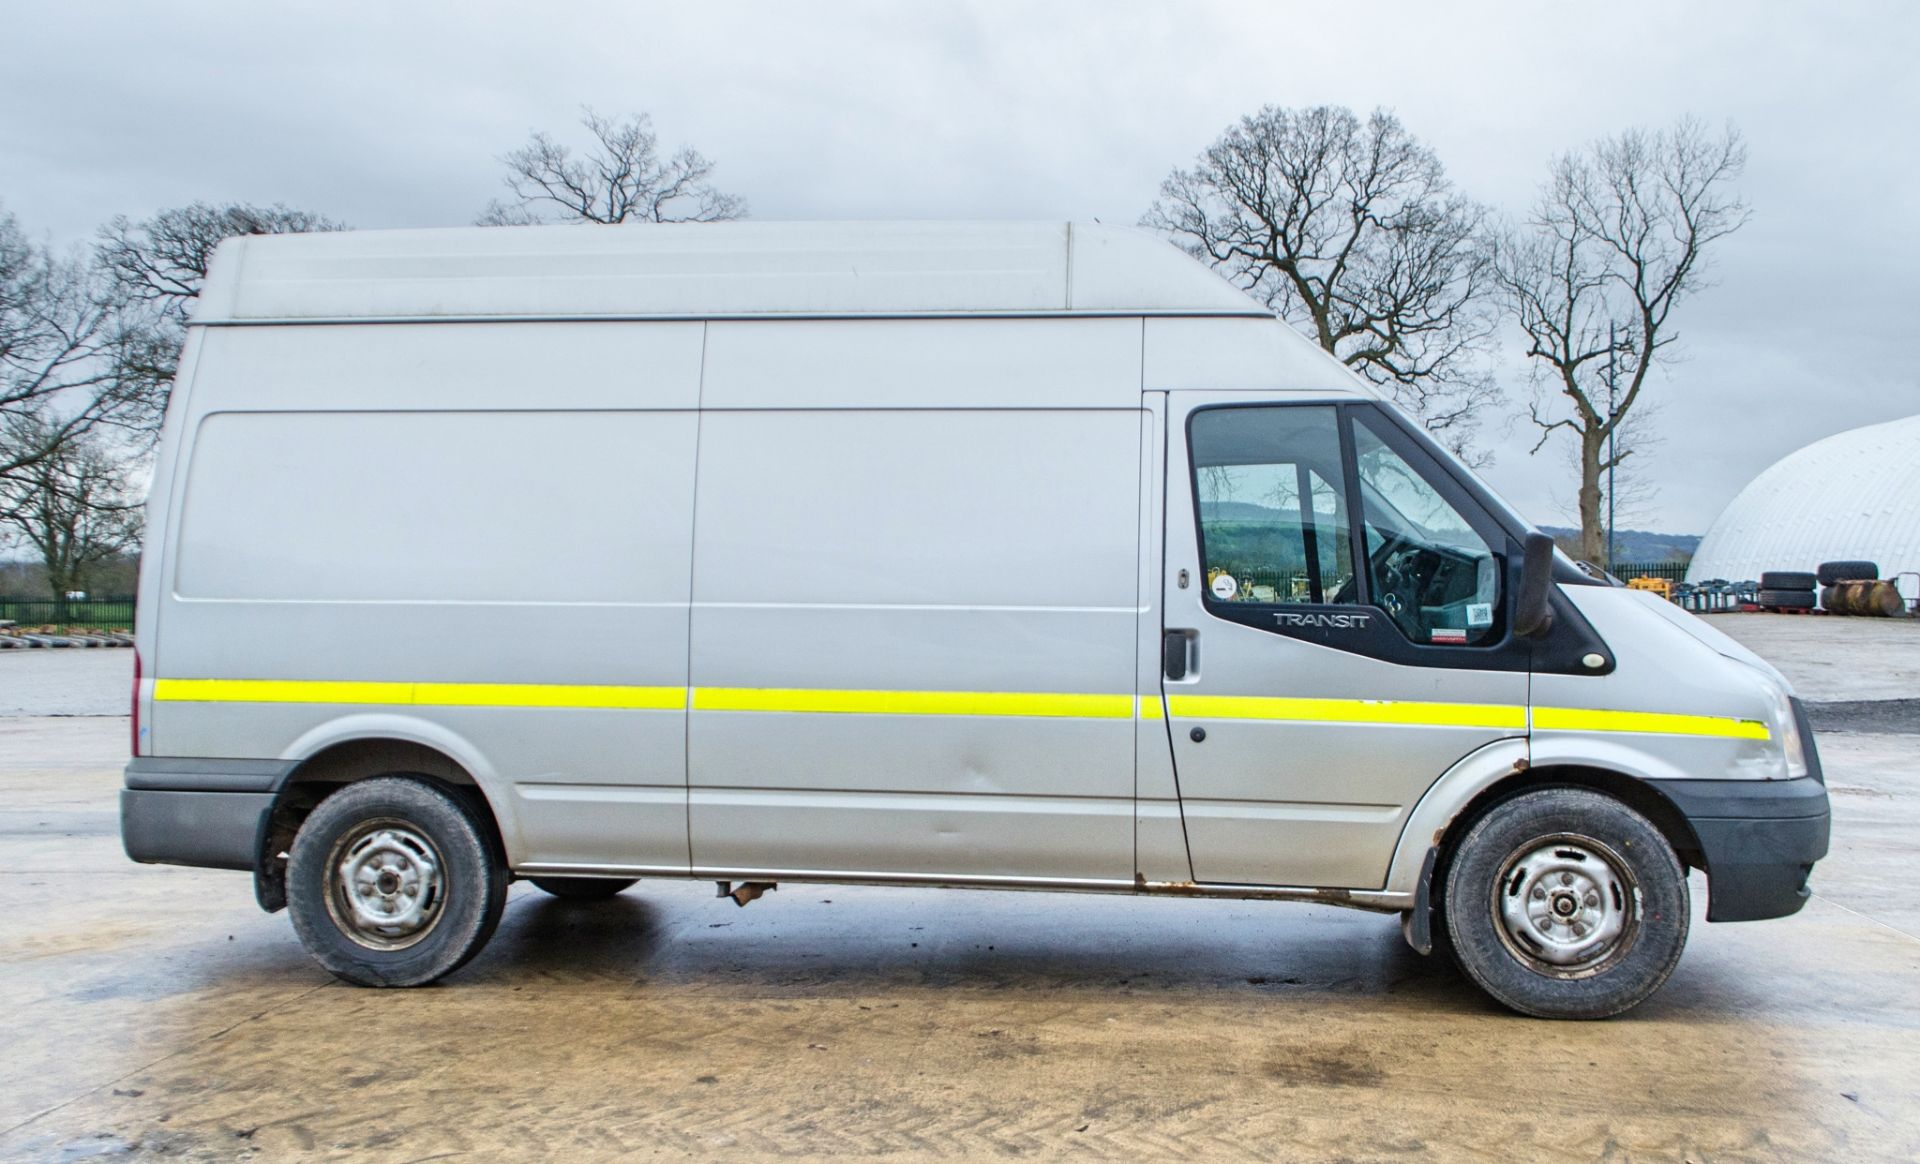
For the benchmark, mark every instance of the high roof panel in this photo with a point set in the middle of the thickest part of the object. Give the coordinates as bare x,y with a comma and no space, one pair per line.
711,269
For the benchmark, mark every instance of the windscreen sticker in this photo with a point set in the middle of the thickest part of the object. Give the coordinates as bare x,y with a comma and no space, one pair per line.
1225,588
1479,614
1442,634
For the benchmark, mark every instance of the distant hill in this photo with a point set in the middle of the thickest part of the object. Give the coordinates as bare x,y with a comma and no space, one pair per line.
1629,546
1636,545
1246,511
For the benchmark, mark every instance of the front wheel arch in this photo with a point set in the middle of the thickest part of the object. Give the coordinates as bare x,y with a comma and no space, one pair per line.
1636,794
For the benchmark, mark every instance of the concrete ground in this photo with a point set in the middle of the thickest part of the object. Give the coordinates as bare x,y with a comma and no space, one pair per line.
1829,658
66,681
156,1013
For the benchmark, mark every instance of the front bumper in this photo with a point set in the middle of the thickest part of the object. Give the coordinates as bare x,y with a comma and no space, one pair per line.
209,813
1759,840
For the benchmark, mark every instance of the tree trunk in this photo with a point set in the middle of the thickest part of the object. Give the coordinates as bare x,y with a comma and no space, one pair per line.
1593,528
61,578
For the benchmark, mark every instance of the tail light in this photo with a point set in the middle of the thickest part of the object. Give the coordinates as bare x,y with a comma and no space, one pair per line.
136,701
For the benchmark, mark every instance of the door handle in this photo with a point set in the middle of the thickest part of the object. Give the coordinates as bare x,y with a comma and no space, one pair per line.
1174,652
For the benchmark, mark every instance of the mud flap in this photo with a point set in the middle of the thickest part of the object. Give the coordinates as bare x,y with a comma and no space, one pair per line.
1416,924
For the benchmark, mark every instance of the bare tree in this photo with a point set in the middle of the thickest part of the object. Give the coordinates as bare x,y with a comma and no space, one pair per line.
1616,240
76,507
63,354
158,266
88,348
1351,231
621,178
1628,491
162,261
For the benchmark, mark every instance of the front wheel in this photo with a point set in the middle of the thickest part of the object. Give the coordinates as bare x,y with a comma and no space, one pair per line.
1565,903
391,882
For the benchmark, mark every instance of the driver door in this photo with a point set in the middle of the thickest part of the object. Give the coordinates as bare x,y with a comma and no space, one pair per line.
1337,635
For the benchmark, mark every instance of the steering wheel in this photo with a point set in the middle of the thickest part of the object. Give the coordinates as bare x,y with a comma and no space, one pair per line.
1400,586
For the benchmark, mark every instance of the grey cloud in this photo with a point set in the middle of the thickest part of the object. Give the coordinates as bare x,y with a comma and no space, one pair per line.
391,115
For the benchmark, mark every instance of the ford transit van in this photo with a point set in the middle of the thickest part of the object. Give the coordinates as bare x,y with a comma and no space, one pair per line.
1008,556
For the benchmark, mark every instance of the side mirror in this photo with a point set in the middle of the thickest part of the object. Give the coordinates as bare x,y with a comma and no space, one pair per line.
1532,612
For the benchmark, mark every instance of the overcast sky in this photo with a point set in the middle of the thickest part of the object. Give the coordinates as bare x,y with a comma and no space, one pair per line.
393,115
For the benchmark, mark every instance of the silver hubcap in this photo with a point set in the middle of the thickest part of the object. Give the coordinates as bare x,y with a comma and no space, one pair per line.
385,889
1567,906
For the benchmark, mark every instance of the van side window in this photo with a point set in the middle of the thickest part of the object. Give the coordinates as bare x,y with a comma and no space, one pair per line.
1433,575
1274,527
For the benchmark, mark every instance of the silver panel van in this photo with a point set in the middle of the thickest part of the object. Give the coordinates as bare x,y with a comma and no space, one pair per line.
1029,556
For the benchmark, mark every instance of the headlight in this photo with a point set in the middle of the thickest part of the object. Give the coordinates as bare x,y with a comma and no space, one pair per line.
1786,727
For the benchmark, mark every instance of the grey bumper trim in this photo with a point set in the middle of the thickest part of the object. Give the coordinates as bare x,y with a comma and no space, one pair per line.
195,774
213,830
1760,840
1804,796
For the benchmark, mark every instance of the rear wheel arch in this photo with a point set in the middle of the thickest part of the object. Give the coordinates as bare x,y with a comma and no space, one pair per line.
349,762
392,881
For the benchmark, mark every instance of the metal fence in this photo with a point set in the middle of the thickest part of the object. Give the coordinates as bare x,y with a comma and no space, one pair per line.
91,612
1628,571
1285,585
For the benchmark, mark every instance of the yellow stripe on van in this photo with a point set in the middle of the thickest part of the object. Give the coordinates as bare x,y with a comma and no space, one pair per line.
548,695
1574,719
417,694
279,691
983,703
1379,711
1013,703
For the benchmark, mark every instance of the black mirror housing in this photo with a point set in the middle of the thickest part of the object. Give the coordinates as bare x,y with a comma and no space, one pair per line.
1532,605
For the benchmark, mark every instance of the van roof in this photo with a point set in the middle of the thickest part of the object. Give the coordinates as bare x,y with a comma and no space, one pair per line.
707,270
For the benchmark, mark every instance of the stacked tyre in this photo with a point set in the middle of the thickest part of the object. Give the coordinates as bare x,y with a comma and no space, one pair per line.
1786,590
1832,572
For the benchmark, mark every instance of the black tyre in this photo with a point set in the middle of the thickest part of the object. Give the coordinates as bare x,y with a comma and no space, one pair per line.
1788,580
1565,903
1831,572
392,882
1787,599
583,888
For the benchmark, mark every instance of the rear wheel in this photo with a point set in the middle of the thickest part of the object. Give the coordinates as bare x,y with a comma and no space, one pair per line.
391,882
1564,903
583,888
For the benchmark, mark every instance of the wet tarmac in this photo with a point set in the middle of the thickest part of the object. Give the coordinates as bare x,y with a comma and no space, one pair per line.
155,1013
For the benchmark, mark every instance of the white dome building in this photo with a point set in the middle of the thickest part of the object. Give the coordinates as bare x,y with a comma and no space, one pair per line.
1854,495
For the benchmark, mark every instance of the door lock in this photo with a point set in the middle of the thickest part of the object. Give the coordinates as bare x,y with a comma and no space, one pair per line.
1197,734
